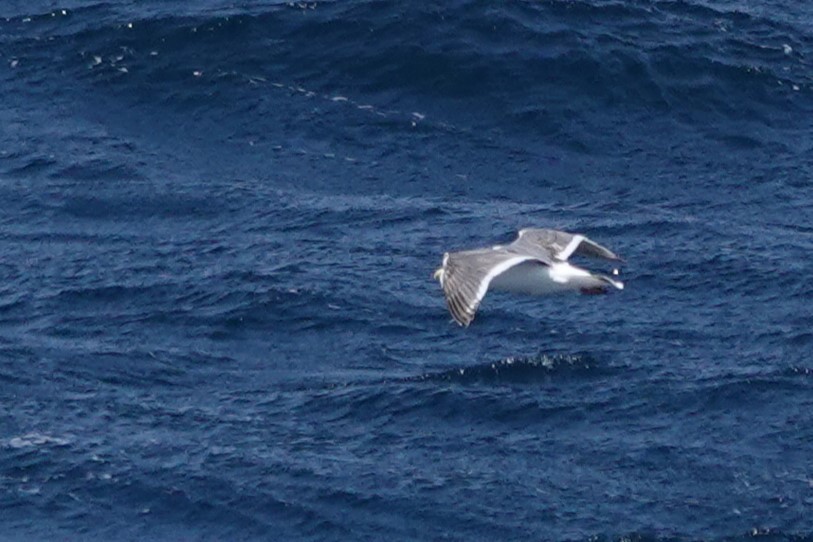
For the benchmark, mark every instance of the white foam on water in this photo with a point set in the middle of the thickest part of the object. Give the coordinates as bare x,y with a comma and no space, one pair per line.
35,439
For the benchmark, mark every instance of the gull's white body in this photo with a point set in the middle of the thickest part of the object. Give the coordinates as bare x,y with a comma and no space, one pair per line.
532,278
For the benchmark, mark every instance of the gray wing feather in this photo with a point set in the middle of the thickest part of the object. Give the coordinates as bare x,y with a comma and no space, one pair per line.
559,245
467,274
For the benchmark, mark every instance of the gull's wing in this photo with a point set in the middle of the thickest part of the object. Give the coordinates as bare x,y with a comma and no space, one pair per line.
559,245
465,277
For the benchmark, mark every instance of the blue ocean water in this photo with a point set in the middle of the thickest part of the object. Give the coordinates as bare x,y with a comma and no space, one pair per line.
218,225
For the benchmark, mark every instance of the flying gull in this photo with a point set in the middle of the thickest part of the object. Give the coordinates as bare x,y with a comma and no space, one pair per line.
535,264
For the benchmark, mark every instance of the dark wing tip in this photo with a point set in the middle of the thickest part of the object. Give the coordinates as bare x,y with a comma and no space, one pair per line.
613,256
458,308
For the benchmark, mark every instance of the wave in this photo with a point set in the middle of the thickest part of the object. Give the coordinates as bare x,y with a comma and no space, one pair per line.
544,67
522,370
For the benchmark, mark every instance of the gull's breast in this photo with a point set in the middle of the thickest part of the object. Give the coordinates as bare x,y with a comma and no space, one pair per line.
533,278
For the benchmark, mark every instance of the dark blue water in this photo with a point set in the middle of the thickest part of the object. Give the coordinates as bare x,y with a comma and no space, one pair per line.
218,225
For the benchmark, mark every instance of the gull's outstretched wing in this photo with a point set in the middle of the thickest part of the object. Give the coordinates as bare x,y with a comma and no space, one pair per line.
558,245
465,277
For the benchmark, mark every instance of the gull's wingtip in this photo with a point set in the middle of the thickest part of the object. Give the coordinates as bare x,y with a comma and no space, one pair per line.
463,323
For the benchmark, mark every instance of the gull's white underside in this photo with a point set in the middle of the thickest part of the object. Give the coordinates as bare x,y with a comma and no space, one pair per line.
533,278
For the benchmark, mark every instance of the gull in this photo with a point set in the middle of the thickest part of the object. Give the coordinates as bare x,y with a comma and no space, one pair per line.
534,264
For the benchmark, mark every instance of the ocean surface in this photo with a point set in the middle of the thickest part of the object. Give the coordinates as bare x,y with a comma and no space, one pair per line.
219,222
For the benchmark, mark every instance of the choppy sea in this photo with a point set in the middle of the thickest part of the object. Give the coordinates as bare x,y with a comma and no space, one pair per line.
219,222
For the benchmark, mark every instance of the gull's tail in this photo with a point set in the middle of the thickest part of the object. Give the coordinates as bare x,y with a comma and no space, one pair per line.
611,281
